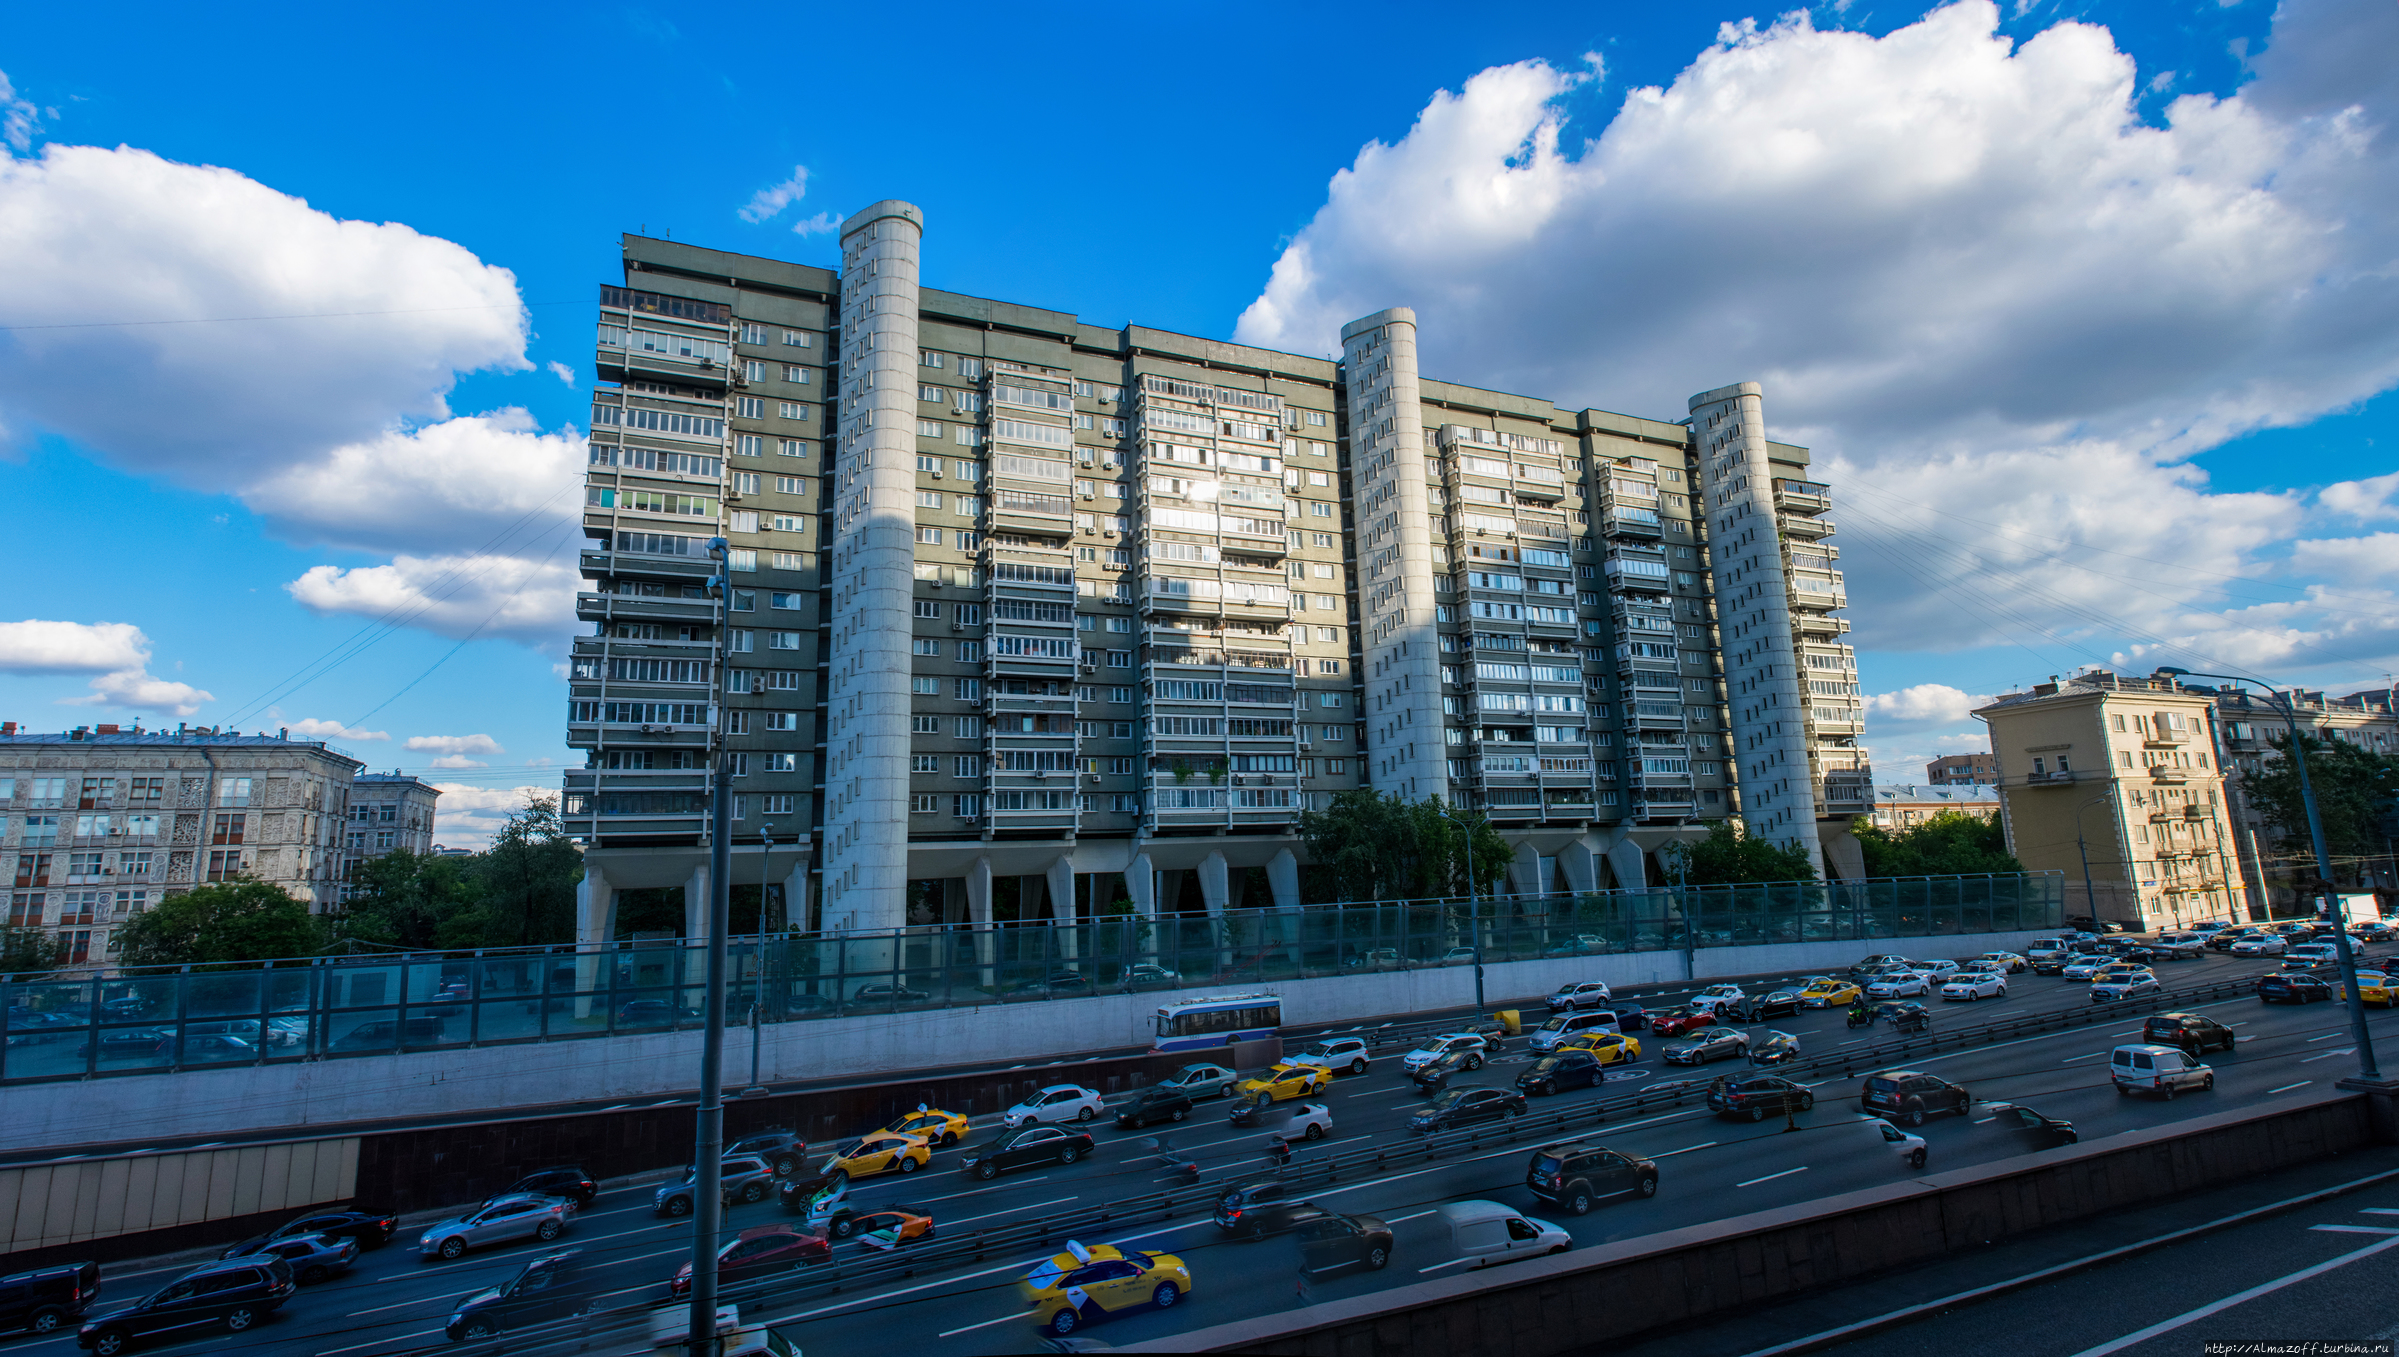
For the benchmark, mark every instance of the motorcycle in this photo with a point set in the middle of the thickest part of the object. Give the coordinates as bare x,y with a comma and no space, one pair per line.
1861,1017
1244,1112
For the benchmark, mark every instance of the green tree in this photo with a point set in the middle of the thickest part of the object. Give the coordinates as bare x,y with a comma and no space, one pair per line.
29,953
525,882
1951,843
1369,845
418,901
220,923
2353,790
1730,856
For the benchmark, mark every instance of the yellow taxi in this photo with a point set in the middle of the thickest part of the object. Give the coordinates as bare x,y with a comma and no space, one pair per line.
2373,987
1067,1291
1825,992
1286,1080
1611,1048
934,1125
880,1152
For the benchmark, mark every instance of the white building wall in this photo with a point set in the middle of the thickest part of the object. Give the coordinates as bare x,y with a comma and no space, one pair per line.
1394,563
873,558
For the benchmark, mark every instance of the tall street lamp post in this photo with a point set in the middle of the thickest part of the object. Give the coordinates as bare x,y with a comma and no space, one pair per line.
2366,1070
708,1141
1474,913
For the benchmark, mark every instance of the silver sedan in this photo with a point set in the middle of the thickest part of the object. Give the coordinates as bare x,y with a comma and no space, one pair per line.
527,1215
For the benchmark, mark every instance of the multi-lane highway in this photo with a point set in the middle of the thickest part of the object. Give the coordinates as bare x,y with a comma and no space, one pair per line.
1710,1169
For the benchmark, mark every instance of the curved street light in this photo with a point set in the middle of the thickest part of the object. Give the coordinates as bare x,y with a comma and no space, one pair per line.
2332,898
2090,898
1474,918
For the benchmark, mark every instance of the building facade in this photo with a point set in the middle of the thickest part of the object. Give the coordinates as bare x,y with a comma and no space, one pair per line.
2245,730
1904,806
1026,617
389,812
1962,770
2119,776
102,823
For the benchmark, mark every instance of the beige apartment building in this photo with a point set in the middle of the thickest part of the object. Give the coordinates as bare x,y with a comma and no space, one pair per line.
2246,727
1962,770
1906,805
1028,615
2121,772
102,822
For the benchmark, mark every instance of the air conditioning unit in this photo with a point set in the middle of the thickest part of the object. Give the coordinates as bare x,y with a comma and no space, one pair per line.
1041,774
1111,532
1305,745
1094,777
935,473
957,626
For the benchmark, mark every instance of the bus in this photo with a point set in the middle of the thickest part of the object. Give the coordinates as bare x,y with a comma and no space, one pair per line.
1217,1020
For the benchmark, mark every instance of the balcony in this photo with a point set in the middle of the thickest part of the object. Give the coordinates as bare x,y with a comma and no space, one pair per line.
1805,529
2050,779
2158,737
1802,497
1631,522
2168,773
1818,624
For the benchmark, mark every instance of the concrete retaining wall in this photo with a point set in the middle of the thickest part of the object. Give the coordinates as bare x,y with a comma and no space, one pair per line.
56,1205
1575,1302
342,1092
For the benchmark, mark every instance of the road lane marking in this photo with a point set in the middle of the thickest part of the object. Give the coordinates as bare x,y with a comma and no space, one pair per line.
2326,1037
1422,1214
2379,1211
397,1338
1439,1266
1980,1120
1686,1149
2238,1298
2328,1055
2092,1056
1056,1201
2287,1088
981,1190
952,1333
1772,1176
2355,1229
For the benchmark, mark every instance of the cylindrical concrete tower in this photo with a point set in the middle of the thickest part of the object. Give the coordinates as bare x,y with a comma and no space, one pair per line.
1406,752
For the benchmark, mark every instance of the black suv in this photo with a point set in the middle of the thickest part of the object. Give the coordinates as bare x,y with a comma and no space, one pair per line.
236,1294
1153,1105
567,1180
1467,1107
1240,1208
371,1229
2292,989
781,1148
1754,1096
45,1298
1908,1096
1572,1176
2196,1036
548,1288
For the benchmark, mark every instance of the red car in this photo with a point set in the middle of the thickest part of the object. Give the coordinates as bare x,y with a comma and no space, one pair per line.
760,1250
1681,1021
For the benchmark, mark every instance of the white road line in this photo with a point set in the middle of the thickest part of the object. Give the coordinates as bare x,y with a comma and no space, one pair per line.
2328,1055
2355,1229
2326,1037
1418,1216
1440,1266
1686,1149
1980,1120
2379,1211
2288,1087
984,1325
981,1190
2092,1056
2237,1298
1772,1176
1055,1201
397,1338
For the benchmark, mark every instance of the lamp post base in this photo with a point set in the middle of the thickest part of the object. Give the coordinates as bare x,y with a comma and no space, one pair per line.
2382,1104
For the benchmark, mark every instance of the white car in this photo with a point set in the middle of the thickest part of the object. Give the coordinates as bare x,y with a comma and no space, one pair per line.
2090,965
1973,985
1903,986
1433,1048
1715,996
2262,946
1938,970
1057,1103
1581,994
2125,987
1336,1053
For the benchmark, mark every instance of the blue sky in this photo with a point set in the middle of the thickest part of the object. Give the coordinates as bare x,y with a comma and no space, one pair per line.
1154,165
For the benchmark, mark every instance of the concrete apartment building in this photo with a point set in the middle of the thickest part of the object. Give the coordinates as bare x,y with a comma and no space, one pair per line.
2128,765
1029,615
388,812
1904,806
103,822
1962,770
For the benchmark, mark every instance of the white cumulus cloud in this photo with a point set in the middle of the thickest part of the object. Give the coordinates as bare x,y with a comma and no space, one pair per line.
454,745
766,202
315,728
468,816
457,596
1923,704
2000,306
139,690
38,647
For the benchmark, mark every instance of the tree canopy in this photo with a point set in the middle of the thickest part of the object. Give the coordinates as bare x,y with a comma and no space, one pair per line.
1369,845
519,892
29,953
1730,856
1951,843
2354,789
220,923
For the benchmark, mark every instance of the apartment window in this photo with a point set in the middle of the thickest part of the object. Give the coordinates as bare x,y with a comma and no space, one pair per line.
967,402
929,536
745,482
741,642
224,864
923,803
923,686
776,804
925,645
1120,694
782,640
967,688
1329,635
929,359
753,371
791,485
1316,419
781,720
134,864
967,435
1332,700
1120,624
792,447
928,499
1318,508
970,652
745,600
928,428
932,395
753,334
968,471
1120,730
967,765
970,368
743,559
738,765
967,807
233,791
1329,667
924,725
2039,766
968,727
749,407
795,374
969,541
33,869
782,763
142,789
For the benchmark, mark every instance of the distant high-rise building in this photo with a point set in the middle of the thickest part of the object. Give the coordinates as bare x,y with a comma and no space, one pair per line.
1031,618
1962,770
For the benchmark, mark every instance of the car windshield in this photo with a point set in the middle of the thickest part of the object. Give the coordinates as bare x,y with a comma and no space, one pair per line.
1546,1063
1045,1276
1432,1046
1450,1099
1554,1025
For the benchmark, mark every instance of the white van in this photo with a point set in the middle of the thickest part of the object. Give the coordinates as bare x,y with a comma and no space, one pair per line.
2161,1070
2306,956
1547,1036
1871,1133
1483,1233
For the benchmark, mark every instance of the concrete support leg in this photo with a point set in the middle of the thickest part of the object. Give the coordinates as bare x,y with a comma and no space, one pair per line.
1844,856
1282,877
795,896
1580,862
695,927
1065,919
1141,883
1524,872
1625,856
595,928
1214,888
978,913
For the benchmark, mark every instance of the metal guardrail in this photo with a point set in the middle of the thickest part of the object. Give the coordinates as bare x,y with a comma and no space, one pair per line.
1327,1168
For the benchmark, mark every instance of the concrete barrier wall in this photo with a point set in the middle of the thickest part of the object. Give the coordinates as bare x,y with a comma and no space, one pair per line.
54,1205
1575,1302
342,1092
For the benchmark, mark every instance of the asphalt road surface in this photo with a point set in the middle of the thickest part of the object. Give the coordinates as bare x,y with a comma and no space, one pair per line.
1710,1169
